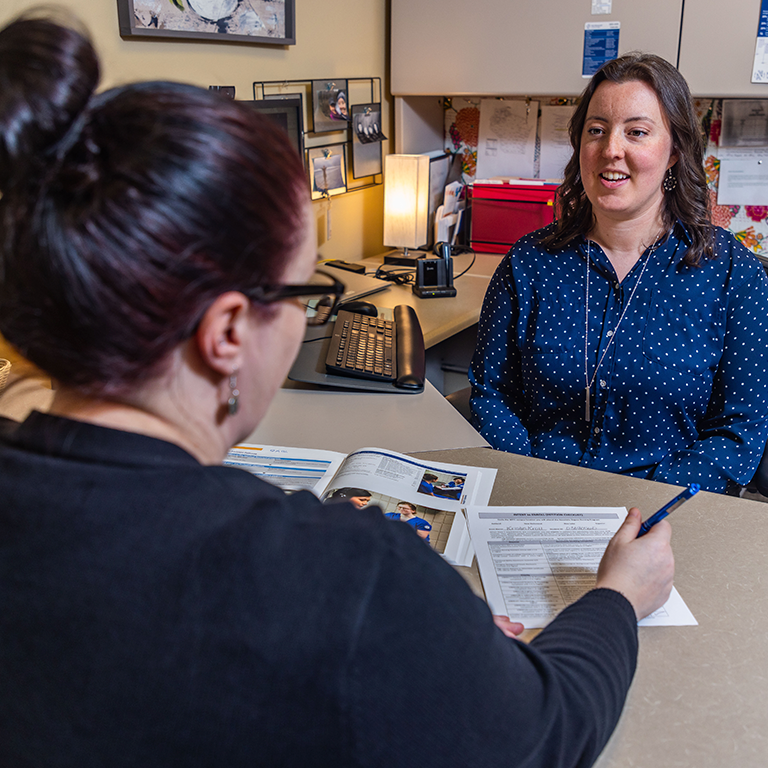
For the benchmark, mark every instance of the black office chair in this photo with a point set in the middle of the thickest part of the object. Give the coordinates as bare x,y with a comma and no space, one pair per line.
460,401
759,482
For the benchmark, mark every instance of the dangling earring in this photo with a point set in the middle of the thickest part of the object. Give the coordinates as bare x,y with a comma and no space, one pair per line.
234,396
670,181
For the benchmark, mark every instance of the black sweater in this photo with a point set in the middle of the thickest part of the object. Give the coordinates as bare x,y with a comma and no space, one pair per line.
156,612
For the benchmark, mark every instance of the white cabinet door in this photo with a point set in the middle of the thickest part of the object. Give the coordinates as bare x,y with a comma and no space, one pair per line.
509,47
717,47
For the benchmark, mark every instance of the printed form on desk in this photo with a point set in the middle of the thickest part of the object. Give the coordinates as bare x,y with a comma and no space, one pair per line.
534,561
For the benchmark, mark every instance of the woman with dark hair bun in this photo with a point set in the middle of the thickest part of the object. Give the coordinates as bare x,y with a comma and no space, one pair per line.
158,608
628,336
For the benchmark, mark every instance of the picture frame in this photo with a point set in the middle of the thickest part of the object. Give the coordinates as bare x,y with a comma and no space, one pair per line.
366,140
330,105
327,170
230,21
288,113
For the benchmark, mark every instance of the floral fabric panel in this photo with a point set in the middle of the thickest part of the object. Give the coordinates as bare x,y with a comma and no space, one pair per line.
749,223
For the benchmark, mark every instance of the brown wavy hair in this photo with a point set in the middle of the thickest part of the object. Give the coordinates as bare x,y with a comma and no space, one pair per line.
688,202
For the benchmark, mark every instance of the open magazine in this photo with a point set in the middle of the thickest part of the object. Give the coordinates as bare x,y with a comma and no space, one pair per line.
534,561
425,494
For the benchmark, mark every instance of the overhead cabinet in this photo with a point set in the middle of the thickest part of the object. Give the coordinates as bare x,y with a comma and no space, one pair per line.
499,47
717,48
536,48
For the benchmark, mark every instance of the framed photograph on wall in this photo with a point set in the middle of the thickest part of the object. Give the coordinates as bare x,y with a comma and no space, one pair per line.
330,105
287,112
242,21
327,171
366,140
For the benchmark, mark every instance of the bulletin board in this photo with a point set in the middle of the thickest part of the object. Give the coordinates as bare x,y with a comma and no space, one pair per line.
748,223
464,128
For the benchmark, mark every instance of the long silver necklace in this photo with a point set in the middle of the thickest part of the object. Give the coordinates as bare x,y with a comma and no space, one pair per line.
590,382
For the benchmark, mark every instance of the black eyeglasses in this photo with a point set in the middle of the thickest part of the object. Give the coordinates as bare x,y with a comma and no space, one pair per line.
320,297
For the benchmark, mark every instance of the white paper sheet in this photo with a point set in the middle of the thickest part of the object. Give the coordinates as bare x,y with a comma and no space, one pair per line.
534,561
556,149
760,64
507,138
743,176
745,123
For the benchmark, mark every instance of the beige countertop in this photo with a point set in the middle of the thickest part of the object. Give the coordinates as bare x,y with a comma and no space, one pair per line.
700,695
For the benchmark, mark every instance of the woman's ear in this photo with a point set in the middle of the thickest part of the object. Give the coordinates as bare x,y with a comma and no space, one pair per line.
673,158
222,332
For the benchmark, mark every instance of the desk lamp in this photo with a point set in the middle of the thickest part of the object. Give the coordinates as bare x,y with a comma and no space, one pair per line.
406,204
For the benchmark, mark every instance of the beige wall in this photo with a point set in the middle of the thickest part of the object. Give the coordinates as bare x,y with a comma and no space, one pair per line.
335,39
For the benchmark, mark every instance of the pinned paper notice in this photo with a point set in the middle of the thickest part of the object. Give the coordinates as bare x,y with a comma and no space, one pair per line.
760,65
743,177
556,149
507,138
601,44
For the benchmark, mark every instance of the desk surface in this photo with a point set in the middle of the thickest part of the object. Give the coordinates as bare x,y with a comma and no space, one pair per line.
345,421
700,695
307,417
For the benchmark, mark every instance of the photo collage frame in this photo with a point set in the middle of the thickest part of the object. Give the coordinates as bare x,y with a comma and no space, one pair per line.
336,126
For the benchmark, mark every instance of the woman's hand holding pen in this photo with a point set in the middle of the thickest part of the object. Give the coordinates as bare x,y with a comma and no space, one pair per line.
642,569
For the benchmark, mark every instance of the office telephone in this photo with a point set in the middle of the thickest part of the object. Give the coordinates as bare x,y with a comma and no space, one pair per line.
377,349
434,277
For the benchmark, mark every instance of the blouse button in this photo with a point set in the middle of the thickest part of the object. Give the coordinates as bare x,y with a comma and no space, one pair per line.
603,383
597,430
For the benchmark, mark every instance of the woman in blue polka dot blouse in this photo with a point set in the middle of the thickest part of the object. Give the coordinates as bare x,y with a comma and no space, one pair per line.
630,335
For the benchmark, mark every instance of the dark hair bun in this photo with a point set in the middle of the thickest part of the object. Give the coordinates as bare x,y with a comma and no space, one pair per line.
126,213
48,72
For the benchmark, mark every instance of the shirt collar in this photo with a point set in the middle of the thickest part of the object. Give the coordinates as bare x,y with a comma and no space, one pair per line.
679,235
681,232
51,435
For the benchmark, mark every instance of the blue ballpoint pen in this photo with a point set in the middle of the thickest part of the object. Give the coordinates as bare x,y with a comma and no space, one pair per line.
692,489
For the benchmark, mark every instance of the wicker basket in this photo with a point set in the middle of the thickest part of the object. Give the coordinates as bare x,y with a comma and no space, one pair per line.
5,369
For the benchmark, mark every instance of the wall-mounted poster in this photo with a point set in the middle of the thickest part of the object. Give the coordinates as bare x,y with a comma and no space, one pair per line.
327,170
331,105
244,21
366,140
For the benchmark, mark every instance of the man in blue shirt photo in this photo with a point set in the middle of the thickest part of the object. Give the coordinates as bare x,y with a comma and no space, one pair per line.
406,512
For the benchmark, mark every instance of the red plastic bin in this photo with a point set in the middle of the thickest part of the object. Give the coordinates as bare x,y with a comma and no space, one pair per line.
502,213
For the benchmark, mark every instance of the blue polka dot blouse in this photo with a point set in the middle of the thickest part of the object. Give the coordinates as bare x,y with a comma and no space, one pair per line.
681,394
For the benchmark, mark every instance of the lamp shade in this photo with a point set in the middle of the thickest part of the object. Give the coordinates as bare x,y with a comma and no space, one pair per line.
406,200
